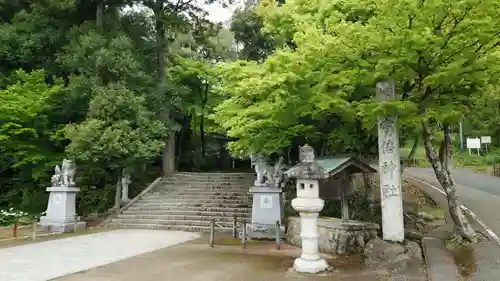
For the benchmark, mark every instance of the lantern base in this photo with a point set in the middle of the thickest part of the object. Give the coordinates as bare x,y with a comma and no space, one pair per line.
305,266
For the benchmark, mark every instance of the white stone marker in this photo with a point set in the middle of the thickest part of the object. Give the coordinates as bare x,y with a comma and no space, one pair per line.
308,204
125,183
390,170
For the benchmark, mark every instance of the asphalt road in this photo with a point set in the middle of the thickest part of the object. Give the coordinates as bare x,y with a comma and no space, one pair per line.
481,194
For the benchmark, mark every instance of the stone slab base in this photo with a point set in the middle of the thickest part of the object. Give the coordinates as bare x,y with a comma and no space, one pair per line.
62,227
264,231
305,266
335,236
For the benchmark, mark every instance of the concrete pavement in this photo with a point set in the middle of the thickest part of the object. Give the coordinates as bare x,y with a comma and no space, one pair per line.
196,261
51,259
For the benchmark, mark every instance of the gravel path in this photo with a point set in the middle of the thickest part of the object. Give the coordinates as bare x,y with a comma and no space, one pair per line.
481,194
48,260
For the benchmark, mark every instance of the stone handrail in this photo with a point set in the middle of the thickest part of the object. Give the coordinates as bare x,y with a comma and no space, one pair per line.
131,202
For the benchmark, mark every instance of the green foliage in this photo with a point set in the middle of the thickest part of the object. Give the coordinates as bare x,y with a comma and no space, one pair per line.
107,109
247,26
26,128
24,121
441,54
463,159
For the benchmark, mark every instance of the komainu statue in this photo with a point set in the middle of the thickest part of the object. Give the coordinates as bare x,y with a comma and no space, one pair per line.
64,175
267,175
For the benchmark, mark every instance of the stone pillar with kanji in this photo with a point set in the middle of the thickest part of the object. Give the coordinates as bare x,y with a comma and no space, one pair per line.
390,169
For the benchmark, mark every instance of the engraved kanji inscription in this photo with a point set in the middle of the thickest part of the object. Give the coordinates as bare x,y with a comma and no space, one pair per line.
387,125
385,91
388,168
389,190
388,146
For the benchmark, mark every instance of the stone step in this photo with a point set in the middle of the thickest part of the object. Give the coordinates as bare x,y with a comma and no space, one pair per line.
207,182
167,199
214,178
205,185
183,205
215,173
197,196
182,217
186,208
201,188
180,212
188,228
205,223
204,193
169,192
177,202
210,182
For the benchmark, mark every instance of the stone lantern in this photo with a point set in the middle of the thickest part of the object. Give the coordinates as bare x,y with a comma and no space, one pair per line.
330,178
308,204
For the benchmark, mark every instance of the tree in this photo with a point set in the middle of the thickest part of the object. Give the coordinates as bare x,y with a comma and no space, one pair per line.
27,152
119,130
246,26
441,54
104,53
170,17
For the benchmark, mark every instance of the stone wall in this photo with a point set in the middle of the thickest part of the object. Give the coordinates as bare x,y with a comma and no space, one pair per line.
335,237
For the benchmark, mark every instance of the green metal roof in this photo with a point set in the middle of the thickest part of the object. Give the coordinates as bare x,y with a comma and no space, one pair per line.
336,164
328,167
331,163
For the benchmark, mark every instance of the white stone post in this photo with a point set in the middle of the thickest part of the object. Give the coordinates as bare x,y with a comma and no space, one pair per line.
125,183
390,170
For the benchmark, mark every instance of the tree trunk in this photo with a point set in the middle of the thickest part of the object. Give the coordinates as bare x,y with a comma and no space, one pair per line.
410,156
441,165
185,127
204,99
413,150
118,193
100,30
168,155
100,17
202,136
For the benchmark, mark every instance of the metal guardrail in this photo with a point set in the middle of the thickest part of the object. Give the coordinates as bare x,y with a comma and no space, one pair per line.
217,225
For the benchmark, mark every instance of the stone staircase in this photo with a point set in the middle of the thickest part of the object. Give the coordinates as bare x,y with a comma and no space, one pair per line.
187,201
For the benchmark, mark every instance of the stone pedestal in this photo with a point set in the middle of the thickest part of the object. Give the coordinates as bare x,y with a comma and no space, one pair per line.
309,261
61,215
335,236
267,208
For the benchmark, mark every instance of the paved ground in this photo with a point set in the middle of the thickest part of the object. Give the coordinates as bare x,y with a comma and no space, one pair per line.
195,261
47,260
481,194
